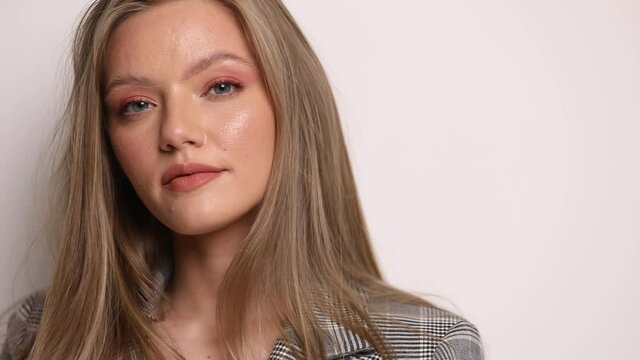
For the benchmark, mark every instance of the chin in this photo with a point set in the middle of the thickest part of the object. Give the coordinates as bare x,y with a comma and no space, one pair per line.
193,225
192,219
199,223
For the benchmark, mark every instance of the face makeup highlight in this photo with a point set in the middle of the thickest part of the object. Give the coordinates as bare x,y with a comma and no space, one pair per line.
179,93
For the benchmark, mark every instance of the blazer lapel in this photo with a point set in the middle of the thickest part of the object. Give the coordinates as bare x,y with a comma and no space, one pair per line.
339,342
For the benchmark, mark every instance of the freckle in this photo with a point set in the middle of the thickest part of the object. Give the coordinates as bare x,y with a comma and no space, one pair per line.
224,149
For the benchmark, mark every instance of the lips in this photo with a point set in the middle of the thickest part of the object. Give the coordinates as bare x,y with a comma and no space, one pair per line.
177,170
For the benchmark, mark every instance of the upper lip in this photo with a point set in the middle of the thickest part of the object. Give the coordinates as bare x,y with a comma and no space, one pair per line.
177,170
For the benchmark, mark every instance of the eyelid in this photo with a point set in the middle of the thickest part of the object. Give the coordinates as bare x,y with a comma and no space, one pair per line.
132,100
210,85
238,86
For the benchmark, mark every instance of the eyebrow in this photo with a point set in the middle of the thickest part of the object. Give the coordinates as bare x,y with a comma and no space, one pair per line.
198,67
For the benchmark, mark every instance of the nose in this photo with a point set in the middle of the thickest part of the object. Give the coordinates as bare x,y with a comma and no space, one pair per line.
181,126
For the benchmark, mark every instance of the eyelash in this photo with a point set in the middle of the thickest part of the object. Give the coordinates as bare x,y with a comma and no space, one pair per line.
236,87
235,84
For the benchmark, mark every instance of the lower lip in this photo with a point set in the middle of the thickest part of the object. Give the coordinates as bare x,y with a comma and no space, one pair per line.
191,182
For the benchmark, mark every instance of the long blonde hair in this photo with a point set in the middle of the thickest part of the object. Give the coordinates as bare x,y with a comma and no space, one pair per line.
310,219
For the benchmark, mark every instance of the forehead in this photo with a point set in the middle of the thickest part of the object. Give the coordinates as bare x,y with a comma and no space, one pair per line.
168,37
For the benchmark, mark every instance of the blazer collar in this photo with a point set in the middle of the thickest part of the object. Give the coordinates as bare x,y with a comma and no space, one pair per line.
339,341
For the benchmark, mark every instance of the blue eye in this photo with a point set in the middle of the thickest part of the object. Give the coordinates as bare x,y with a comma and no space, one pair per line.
223,88
136,106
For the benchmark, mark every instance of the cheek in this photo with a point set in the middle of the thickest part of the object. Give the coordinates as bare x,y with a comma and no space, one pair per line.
247,140
250,134
236,129
132,153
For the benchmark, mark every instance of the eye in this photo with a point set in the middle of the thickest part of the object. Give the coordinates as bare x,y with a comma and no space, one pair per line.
136,106
224,88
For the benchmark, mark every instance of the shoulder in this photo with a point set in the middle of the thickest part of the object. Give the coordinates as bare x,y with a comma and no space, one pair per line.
22,326
426,332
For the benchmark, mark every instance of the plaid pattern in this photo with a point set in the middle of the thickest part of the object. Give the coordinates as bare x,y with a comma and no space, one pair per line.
412,332
404,326
22,327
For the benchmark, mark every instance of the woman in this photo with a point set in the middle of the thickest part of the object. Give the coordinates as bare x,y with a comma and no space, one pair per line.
210,207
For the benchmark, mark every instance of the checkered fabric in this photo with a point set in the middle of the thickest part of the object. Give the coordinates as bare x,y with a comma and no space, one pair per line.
412,332
404,326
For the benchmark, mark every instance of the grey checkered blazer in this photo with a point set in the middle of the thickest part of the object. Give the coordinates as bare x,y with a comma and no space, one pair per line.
450,337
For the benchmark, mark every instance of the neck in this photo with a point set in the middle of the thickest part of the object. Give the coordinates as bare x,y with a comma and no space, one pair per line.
200,264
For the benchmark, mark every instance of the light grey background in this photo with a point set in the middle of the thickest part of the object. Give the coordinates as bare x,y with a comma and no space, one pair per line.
495,145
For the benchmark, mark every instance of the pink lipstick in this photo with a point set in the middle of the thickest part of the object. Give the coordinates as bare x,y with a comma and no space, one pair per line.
189,176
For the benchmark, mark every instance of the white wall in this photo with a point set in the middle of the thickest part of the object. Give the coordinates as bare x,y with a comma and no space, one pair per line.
495,145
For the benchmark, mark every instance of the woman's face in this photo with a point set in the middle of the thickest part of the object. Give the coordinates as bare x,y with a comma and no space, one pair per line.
182,87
